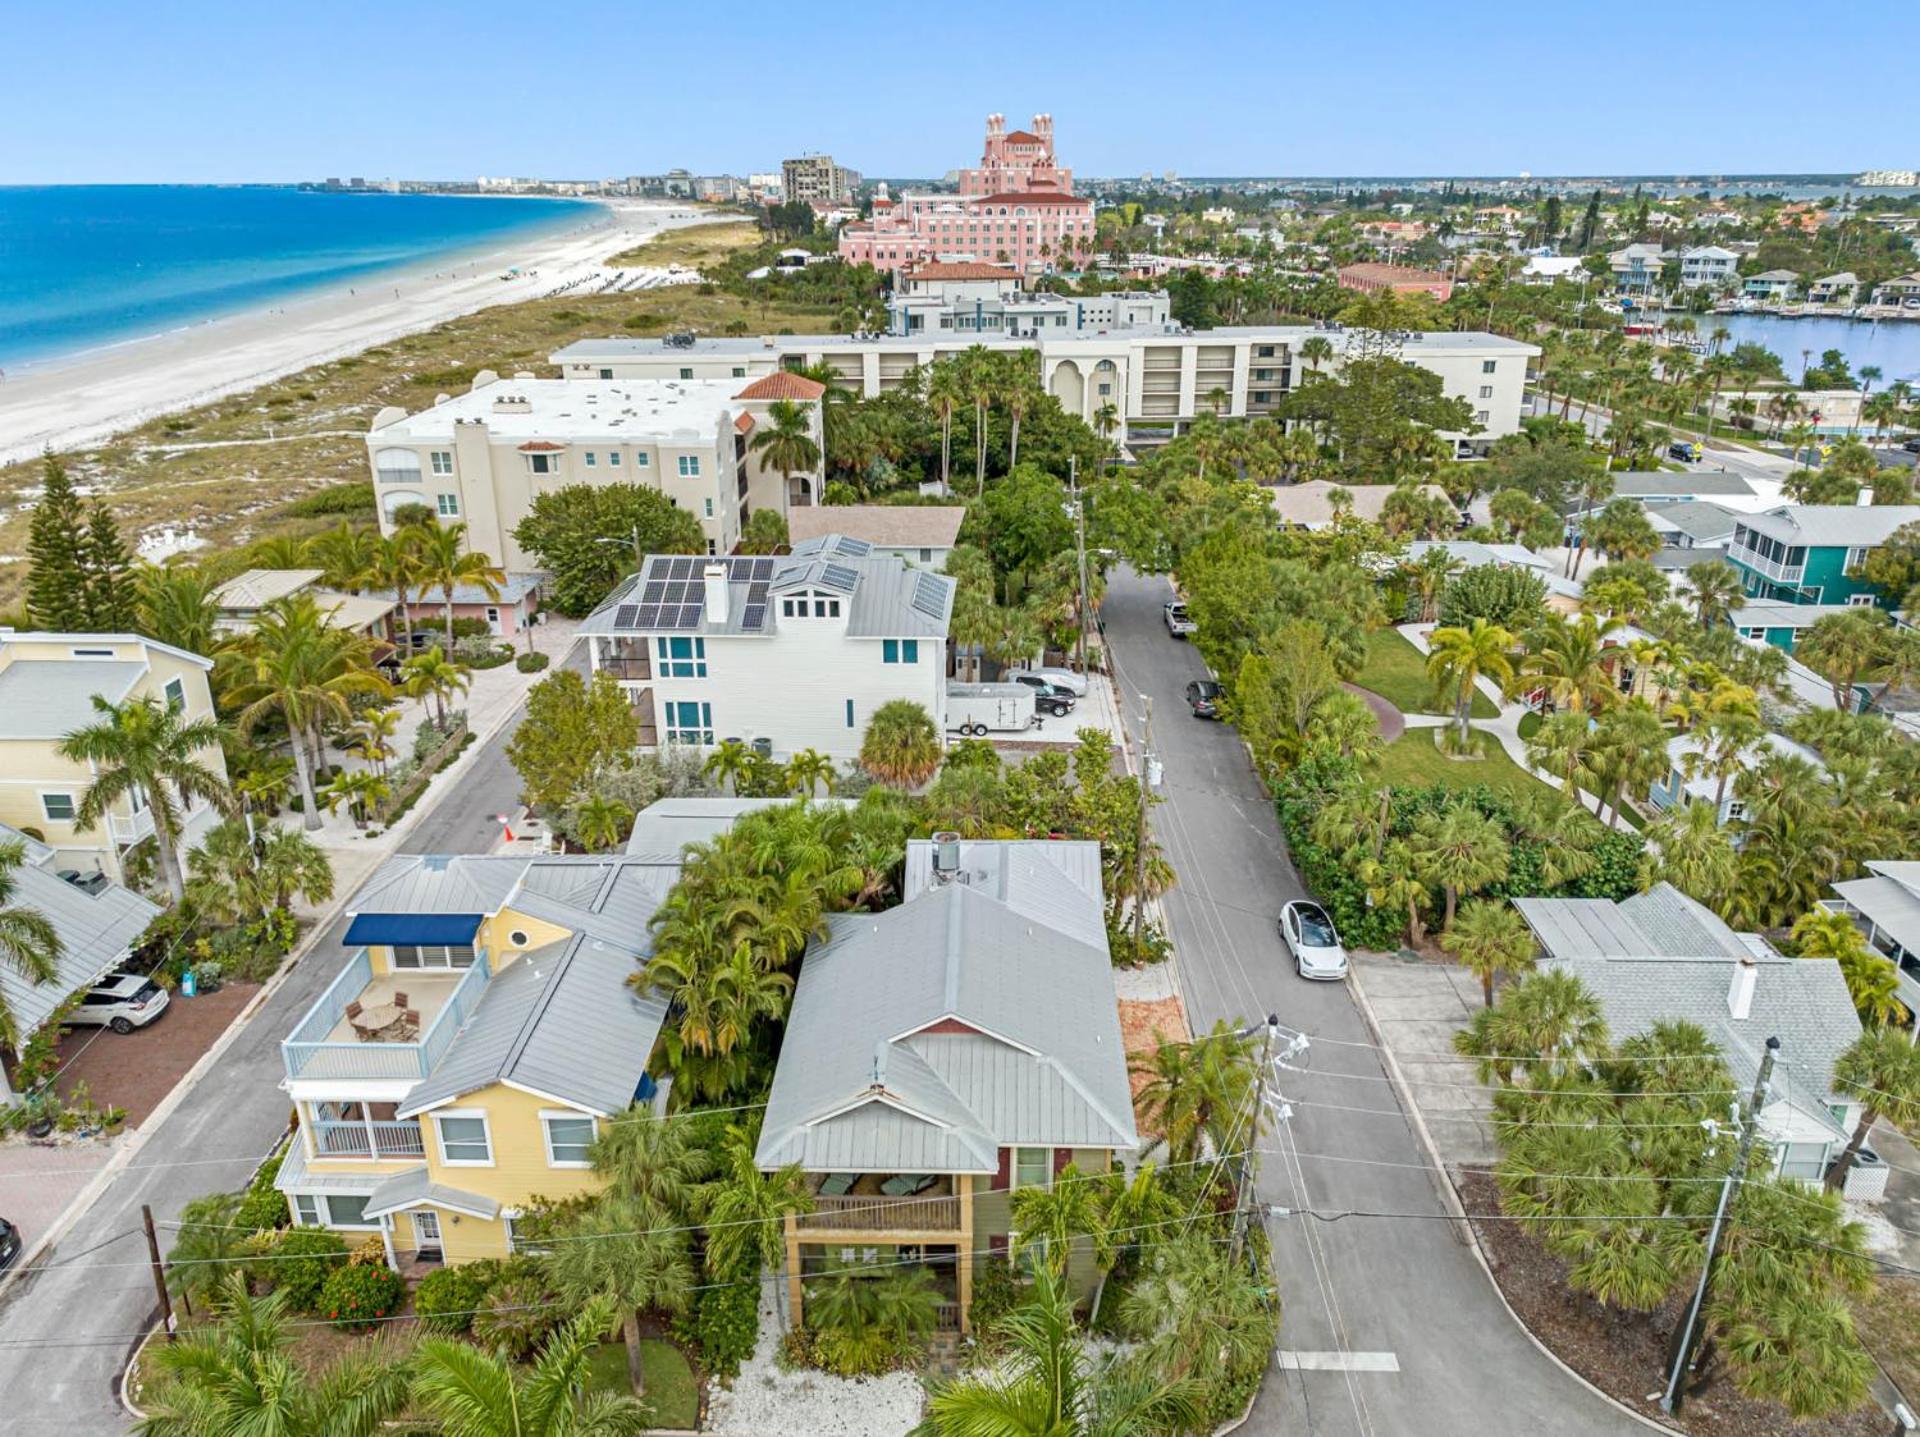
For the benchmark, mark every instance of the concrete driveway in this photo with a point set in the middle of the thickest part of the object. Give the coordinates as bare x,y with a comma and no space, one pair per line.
1390,1326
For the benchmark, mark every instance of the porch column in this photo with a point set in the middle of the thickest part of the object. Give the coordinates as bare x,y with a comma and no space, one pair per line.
795,1294
307,1120
963,1265
366,1121
386,1241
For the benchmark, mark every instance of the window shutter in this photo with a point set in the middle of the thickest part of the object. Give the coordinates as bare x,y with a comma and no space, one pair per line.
997,1245
1003,1179
1061,1157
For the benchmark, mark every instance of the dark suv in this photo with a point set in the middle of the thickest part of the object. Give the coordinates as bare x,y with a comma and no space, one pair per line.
1203,697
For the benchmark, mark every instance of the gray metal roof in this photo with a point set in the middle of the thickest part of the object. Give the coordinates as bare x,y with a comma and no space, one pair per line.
96,930
979,1014
1892,906
49,700
609,896
561,1021
1660,923
296,1177
1832,525
411,1189
439,883
1695,518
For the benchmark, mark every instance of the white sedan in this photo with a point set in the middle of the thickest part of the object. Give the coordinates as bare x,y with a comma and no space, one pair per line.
1309,936
1073,683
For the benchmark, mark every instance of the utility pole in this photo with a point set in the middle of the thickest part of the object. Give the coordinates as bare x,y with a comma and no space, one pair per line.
1749,1126
159,1272
1243,1201
1080,552
1147,762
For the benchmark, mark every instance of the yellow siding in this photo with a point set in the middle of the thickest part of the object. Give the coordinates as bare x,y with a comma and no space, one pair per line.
494,935
465,1238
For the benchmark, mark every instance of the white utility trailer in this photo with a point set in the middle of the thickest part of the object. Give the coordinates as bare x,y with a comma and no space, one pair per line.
978,709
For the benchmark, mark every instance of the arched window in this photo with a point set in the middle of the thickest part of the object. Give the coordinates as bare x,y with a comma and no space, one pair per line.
397,466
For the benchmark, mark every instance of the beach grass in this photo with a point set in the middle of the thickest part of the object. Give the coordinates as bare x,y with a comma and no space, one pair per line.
306,431
696,246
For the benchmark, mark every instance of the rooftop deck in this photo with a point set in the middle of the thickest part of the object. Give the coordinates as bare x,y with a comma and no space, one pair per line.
326,1043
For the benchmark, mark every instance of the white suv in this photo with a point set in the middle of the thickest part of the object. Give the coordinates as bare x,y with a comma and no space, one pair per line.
122,1002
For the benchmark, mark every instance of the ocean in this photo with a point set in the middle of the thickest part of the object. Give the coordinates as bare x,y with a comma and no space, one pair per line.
82,266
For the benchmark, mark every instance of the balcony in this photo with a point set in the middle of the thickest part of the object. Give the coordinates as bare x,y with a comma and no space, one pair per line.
865,1208
628,668
130,828
325,1044
370,1140
1772,568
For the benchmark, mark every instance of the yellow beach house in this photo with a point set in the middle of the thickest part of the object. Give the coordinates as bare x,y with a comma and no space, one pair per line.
47,686
481,1034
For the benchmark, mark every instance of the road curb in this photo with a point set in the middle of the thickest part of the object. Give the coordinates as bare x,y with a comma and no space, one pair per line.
1450,1197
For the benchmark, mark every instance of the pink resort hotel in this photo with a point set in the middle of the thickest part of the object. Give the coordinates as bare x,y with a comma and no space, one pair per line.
1017,209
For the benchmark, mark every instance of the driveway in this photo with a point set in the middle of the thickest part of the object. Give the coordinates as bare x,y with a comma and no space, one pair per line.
1390,1325
68,1327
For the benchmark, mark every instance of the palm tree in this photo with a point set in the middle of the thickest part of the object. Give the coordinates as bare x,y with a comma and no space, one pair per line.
1196,1311
445,562
1316,350
1568,656
810,770
1490,938
1546,1028
610,1253
1047,1219
471,1393
1631,753
786,443
1047,1386
651,1160
1842,648
234,877
747,1209
980,383
394,568
900,746
1881,1070
1460,656
373,735
1690,848
361,789
600,821
208,1247
1716,589
346,555
730,762
1564,744
146,750
238,1376
434,678
29,943
176,606
1199,1092
1873,981
1460,851
946,392
1020,388
294,664
1394,880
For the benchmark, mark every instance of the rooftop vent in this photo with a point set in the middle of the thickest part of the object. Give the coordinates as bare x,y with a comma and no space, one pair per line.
946,856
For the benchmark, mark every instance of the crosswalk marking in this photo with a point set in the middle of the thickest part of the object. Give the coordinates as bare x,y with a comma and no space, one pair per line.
1337,1361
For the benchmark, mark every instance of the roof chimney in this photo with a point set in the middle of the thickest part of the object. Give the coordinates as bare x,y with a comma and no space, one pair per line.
946,856
1746,974
718,594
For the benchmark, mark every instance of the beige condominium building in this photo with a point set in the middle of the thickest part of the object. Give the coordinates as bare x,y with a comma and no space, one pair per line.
1158,378
481,458
48,683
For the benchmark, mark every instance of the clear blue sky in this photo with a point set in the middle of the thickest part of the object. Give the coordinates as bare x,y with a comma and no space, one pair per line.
241,90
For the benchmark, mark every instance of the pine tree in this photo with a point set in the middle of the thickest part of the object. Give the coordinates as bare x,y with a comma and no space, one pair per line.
57,546
1590,222
109,574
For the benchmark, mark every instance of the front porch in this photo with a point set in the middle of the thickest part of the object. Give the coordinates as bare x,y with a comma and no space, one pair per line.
876,1221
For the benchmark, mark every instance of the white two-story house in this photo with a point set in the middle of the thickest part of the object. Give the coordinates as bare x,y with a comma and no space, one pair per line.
783,653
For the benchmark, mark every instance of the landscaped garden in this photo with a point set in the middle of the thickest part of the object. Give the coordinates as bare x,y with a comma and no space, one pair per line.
1397,671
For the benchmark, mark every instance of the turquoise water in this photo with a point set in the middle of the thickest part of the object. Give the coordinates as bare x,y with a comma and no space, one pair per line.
88,265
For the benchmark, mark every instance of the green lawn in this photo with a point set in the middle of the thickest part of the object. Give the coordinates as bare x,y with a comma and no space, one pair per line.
1415,760
671,1390
1397,671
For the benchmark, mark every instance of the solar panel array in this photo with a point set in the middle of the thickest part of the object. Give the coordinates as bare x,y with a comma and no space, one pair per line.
852,548
840,577
929,595
753,618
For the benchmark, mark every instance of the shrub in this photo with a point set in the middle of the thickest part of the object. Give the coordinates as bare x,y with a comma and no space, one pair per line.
531,663
448,1297
298,1262
360,1294
263,1208
349,499
518,1312
996,1292
724,1325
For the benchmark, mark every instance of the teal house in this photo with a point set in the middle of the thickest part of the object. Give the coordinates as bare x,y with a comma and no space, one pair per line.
1806,554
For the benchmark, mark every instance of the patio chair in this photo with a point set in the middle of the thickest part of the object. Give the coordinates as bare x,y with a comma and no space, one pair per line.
399,1000
354,1009
836,1184
906,1184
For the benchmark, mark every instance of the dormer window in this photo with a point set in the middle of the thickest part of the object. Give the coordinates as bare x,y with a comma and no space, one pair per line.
809,605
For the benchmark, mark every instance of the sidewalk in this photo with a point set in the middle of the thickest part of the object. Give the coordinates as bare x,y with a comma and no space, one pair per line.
1418,1007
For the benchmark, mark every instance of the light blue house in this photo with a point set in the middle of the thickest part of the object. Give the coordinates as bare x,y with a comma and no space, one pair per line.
1683,758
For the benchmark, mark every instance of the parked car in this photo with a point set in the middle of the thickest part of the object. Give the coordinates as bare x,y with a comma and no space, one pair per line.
9,1244
1060,678
1309,936
122,1002
1178,624
1203,697
1049,698
1912,446
1685,450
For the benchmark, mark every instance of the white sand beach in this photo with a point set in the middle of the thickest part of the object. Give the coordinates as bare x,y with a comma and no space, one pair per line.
92,396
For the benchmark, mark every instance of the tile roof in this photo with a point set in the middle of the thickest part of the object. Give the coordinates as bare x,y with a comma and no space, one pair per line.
783,384
1036,197
1393,274
936,269
978,1014
886,526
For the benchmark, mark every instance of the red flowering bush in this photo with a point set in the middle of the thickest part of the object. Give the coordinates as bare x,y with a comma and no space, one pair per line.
359,1295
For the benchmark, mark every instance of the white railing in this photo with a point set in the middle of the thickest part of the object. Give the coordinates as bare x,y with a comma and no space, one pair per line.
1773,569
308,1053
130,829
348,1138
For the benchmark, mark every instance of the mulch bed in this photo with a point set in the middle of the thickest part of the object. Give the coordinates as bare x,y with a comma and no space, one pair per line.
1625,1354
137,1070
1140,1020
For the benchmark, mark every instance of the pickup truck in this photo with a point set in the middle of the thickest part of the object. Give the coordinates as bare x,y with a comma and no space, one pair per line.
1178,624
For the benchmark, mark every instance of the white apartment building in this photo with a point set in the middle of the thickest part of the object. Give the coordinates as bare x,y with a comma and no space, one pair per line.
1708,266
784,653
481,458
986,299
1158,381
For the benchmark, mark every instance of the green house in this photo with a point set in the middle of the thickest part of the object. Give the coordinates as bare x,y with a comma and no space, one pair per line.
1807,553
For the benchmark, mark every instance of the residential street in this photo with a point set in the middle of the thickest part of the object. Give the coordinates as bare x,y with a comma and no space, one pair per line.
1390,1325
66,1332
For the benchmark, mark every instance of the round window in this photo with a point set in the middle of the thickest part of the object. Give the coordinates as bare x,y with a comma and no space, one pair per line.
517,938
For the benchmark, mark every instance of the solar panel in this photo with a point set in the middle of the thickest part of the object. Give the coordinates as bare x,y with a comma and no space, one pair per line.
929,595
754,616
852,548
762,569
682,569
624,615
840,576
689,616
757,593
653,592
675,594
647,616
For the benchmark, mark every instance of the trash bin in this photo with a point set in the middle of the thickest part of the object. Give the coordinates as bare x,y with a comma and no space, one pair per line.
189,983
763,747
1867,1178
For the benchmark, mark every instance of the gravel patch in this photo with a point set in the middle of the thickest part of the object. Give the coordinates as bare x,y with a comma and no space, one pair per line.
764,1399
1882,1235
1149,983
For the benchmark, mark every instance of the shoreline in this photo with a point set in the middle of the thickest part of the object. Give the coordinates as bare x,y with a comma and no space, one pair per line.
88,397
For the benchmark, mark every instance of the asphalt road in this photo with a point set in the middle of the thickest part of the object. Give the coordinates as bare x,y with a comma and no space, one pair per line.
1362,1295
68,1328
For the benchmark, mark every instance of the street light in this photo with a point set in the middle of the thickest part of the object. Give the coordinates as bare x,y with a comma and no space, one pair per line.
639,555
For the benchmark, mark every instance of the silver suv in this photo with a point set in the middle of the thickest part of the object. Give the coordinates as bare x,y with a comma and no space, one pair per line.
122,1002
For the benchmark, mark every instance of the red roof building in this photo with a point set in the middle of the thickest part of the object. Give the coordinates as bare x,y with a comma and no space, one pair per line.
1399,279
783,384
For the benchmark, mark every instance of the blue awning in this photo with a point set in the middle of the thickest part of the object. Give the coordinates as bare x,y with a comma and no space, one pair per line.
406,929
